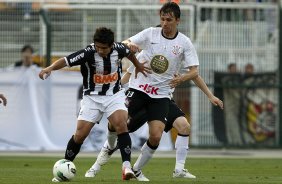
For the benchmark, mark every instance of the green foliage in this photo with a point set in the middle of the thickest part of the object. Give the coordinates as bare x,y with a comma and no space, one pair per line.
38,170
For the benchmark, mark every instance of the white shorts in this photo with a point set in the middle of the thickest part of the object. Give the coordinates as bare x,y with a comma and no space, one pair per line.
92,107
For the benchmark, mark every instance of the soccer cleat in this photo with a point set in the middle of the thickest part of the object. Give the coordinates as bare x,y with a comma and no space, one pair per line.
182,174
102,158
91,173
104,155
55,180
140,176
127,173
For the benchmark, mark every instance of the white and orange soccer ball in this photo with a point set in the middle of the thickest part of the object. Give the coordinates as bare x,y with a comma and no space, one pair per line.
64,170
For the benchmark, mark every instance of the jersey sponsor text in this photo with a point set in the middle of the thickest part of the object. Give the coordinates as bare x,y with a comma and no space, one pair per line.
105,79
149,89
77,57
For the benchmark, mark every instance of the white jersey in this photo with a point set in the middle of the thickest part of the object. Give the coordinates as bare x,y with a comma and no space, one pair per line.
166,57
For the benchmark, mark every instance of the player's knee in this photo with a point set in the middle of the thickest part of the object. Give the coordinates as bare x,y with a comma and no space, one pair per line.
111,128
184,128
155,139
79,138
120,127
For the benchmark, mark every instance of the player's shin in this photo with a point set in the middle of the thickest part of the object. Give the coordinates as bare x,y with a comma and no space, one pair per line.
124,144
72,150
147,152
112,140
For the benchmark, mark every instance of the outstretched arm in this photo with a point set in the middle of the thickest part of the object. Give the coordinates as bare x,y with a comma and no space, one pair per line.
132,46
139,67
44,73
203,86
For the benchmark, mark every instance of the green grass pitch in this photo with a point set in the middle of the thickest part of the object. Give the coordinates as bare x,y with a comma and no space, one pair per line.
38,170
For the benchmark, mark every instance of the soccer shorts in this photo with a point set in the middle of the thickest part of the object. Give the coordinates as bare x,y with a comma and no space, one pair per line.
141,118
156,108
94,106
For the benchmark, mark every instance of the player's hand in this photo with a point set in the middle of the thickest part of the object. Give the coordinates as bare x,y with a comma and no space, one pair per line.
177,80
216,101
3,99
143,69
133,47
44,73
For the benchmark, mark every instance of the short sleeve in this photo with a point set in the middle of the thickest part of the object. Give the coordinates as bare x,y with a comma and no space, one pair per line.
80,57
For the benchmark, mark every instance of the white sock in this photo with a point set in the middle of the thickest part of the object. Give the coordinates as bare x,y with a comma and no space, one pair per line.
126,164
181,146
144,157
96,166
111,142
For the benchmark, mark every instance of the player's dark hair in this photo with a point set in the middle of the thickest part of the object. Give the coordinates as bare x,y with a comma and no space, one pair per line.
104,35
27,47
171,7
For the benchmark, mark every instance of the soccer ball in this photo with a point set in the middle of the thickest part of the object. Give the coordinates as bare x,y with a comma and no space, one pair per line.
64,170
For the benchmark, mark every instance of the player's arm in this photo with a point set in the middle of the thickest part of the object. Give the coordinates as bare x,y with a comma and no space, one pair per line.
132,46
60,63
139,67
138,41
3,99
191,73
203,86
125,78
76,58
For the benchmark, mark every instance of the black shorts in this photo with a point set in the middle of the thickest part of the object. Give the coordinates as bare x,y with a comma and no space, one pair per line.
141,117
174,113
156,108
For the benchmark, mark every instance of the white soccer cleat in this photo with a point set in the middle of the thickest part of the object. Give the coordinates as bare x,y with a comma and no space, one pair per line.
140,176
183,174
55,180
91,173
127,173
104,156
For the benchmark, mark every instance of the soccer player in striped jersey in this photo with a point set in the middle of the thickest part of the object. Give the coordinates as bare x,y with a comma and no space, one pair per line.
100,65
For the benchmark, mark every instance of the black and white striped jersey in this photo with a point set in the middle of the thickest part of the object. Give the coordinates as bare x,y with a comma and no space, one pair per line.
101,75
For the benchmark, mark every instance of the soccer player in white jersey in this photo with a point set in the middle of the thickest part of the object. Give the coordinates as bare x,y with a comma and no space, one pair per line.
100,64
167,51
176,118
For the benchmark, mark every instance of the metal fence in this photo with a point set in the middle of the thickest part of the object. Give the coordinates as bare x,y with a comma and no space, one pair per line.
223,33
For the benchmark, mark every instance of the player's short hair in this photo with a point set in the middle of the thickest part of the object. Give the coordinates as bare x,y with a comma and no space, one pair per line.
27,47
171,7
104,35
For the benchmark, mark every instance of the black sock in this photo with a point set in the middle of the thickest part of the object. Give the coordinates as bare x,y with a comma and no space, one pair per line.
124,144
72,149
